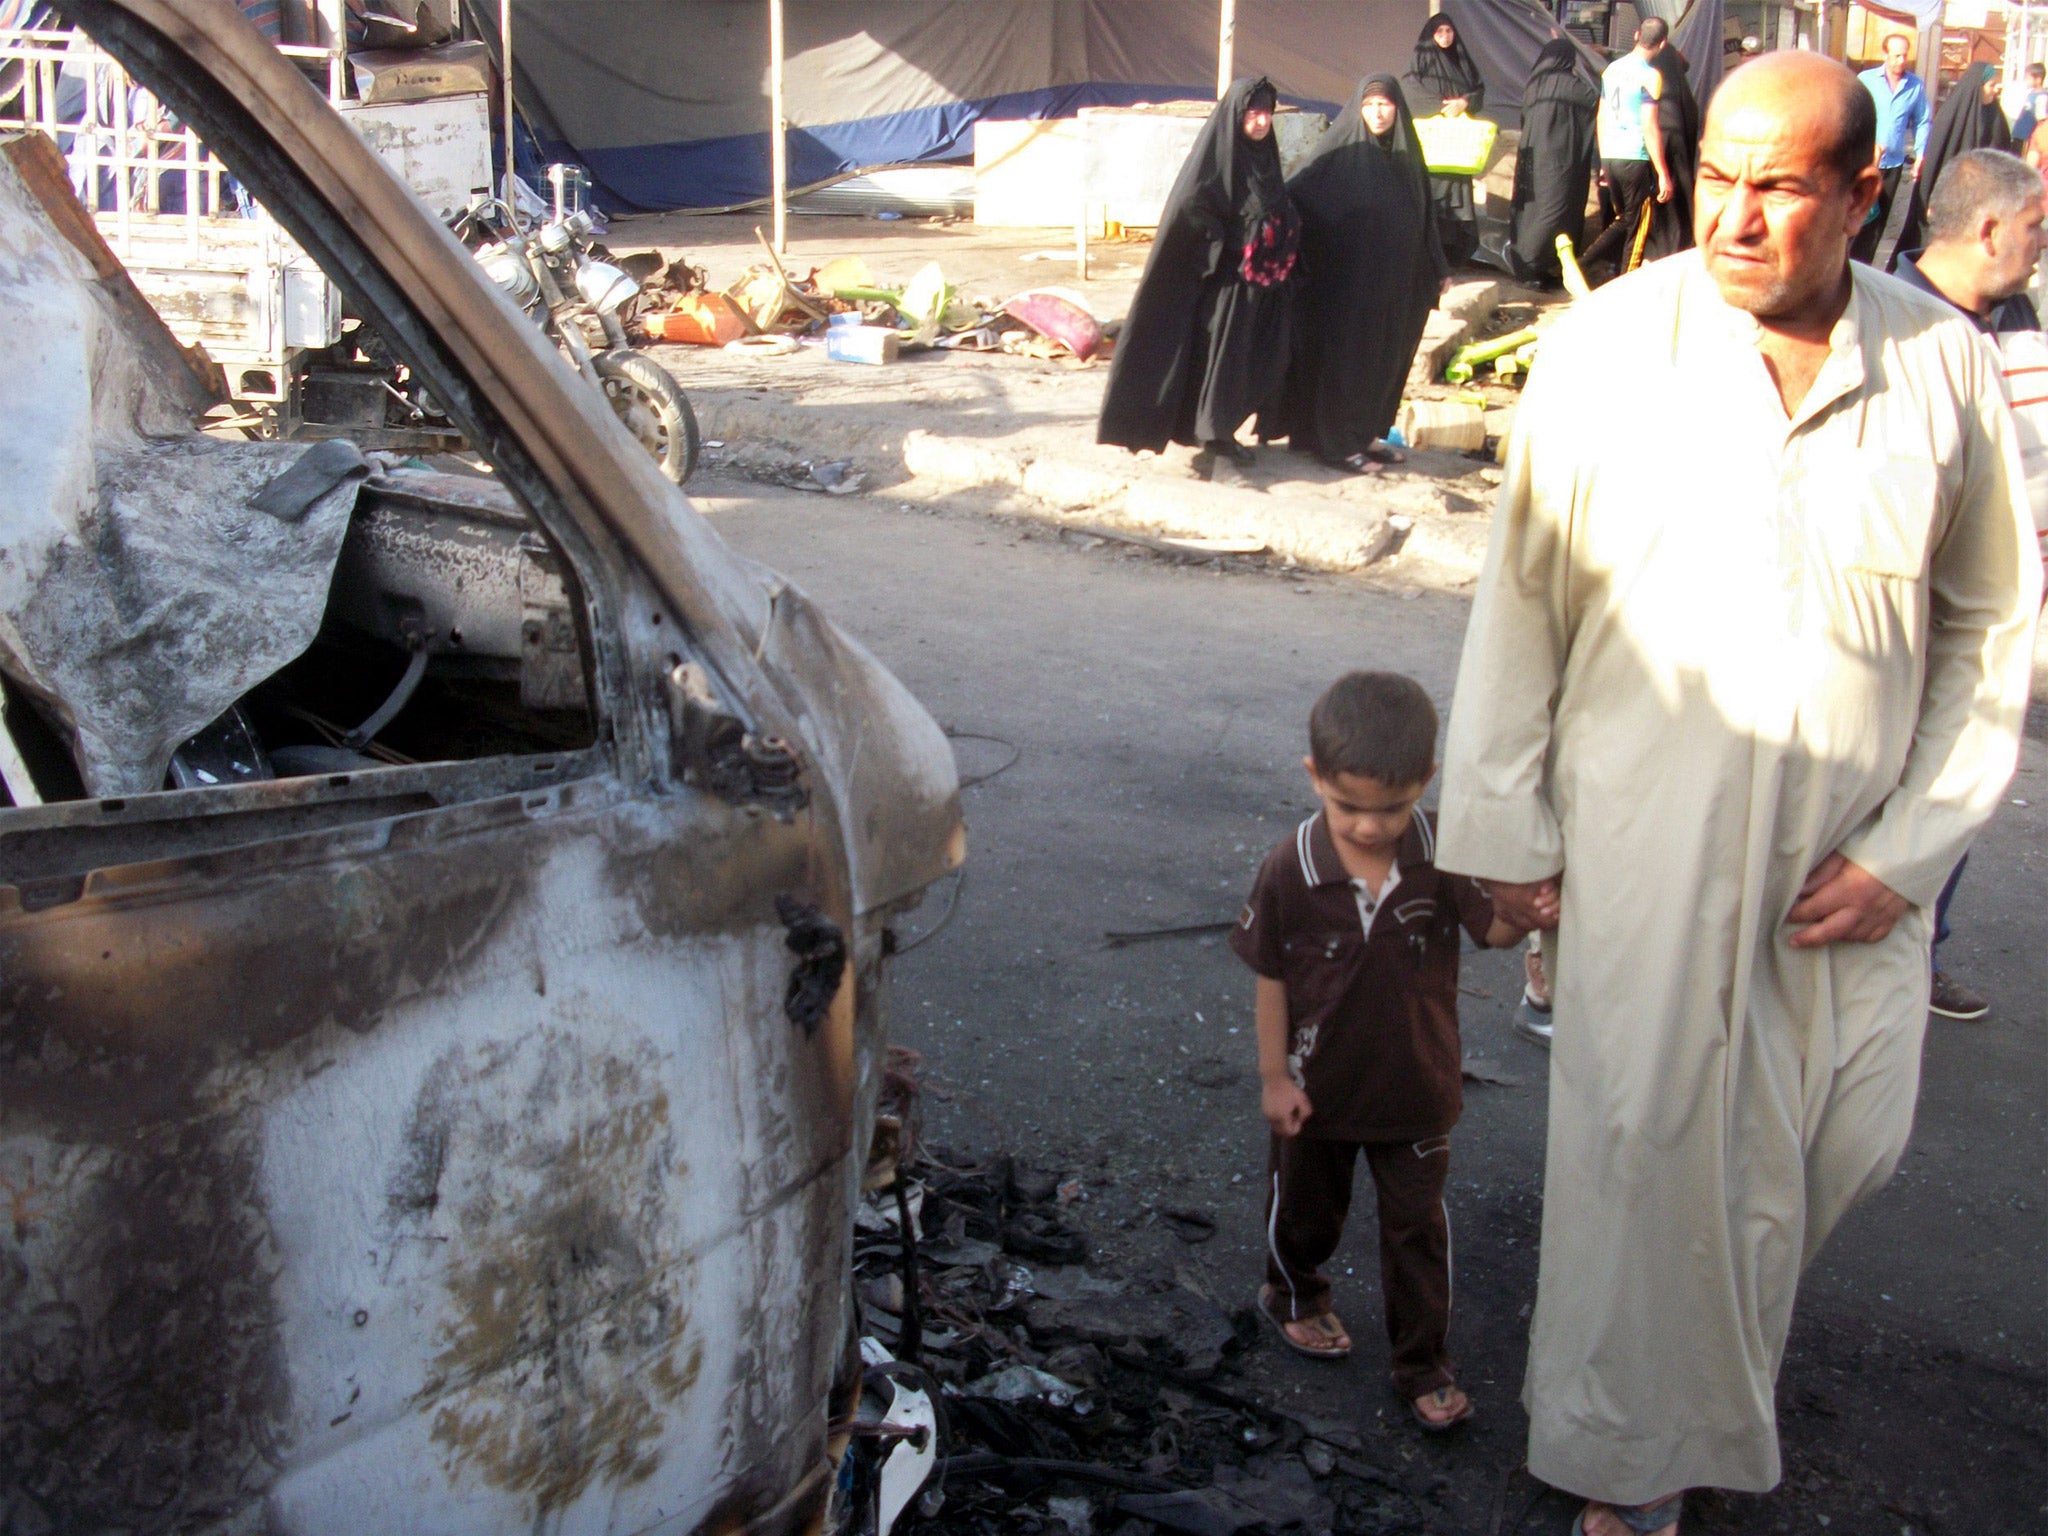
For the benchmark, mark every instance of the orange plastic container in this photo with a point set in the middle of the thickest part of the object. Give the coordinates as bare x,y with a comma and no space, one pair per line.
699,320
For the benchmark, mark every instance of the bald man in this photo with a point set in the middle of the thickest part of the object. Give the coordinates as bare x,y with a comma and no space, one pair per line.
1746,696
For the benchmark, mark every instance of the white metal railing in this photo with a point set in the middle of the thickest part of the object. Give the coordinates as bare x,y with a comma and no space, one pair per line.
129,155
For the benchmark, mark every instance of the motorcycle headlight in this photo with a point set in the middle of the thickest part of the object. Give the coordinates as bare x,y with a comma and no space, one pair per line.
603,286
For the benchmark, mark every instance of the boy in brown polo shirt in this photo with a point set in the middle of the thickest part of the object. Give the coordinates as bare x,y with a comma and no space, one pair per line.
1354,935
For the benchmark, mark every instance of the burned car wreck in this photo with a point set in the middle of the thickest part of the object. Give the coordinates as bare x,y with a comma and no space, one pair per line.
442,917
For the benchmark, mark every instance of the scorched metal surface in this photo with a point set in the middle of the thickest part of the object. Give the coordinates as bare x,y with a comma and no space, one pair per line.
469,1146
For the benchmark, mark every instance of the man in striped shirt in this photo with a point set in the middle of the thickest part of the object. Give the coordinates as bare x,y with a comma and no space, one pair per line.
1984,228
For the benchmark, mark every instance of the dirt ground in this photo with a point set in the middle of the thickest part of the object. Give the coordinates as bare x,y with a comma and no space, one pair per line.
1155,714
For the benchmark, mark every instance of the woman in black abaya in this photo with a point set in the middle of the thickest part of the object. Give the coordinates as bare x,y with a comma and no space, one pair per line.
1443,79
1371,272
1205,343
1554,165
1971,118
1678,125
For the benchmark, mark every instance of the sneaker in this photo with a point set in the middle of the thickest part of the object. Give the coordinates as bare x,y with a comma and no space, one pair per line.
1533,1024
1535,980
1952,1000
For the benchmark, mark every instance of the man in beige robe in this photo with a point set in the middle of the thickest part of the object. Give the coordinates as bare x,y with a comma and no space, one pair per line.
1746,671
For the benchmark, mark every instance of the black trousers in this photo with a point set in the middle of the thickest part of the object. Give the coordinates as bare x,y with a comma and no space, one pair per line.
1308,1195
1633,183
1864,247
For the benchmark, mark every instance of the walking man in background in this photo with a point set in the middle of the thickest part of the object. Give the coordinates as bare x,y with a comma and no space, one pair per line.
1631,148
1902,118
1744,718
1984,236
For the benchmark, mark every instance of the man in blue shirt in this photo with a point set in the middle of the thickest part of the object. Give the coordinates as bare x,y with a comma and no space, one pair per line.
2035,112
1903,116
1631,152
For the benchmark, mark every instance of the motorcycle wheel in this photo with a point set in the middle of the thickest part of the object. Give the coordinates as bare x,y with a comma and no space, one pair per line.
646,399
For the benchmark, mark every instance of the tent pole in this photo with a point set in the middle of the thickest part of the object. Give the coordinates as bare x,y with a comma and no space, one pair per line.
1226,46
778,133
505,56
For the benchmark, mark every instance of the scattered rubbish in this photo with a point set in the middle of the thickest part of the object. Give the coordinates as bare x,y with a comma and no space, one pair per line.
1190,1226
1071,1283
1061,315
1023,1384
1076,1514
763,346
1117,938
1078,1400
873,344
963,1251
1479,1070
698,320
1220,544
1449,424
1213,1072
1464,363
770,301
835,477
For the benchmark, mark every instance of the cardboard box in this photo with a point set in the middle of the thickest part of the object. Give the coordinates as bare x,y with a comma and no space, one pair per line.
424,74
861,343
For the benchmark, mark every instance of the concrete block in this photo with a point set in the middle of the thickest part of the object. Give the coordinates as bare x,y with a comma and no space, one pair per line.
1474,301
958,463
1070,486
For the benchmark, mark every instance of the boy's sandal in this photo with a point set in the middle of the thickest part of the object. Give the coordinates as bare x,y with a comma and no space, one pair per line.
1333,1342
1441,1397
1360,463
1645,1519
1386,453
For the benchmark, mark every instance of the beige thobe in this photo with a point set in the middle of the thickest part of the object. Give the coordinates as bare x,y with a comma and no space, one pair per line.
1712,645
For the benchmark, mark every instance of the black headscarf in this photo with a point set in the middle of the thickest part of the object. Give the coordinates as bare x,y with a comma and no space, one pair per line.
1678,125
1371,268
1193,348
1556,67
1437,74
1965,122
1554,165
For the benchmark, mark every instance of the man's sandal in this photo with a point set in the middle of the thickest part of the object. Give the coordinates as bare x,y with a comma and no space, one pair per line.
1333,1343
1644,1519
1441,1398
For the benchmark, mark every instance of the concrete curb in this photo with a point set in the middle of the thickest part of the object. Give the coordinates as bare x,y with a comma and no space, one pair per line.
1326,527
1319,532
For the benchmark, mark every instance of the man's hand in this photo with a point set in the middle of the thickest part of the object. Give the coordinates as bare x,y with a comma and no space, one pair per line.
1527,907
1665,191
1843,902
1284,1105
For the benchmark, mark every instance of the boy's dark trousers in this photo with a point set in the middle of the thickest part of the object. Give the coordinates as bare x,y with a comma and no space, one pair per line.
1308,1192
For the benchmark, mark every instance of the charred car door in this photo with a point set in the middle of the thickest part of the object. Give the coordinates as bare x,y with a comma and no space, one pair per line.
454,1126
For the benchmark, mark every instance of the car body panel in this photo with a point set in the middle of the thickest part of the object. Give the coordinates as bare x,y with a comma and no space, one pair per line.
449,1148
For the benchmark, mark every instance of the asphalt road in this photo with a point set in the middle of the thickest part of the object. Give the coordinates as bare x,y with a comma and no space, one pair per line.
1157,718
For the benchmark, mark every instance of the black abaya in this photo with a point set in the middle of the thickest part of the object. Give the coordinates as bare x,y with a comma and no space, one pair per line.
1554,165
1436,75
1678,125
1965,122
1371,272
1205,343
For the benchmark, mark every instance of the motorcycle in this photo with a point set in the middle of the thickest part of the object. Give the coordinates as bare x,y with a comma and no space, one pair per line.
552,273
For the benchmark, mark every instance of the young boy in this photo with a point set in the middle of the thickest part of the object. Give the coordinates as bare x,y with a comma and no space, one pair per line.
1354,935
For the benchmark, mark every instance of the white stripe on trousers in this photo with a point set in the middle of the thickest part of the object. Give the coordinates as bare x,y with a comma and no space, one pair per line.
1273,1247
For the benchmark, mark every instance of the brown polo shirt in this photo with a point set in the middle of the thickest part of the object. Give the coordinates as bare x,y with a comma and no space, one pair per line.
1372,986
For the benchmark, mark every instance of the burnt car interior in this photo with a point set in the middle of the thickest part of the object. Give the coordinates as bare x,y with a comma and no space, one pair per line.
451,661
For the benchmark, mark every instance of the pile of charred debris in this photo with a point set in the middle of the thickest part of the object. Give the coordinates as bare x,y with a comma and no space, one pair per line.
1078,1402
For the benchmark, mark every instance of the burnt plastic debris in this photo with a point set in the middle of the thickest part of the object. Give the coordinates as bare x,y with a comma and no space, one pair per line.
1079,1399
820,952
